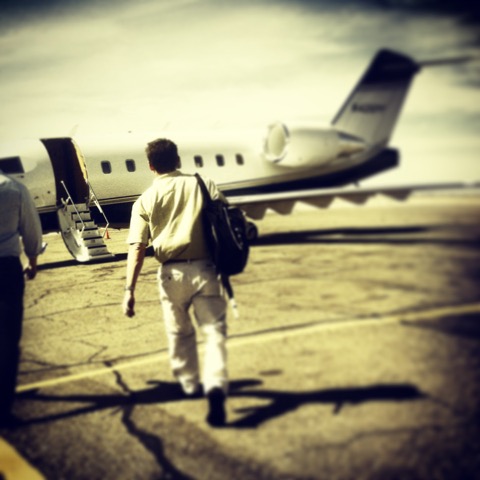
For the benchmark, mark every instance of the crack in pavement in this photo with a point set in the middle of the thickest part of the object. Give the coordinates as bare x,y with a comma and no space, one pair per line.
195,449
151,442
99,351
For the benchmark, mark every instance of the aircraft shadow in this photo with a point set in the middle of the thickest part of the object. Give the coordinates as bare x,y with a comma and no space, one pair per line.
117,257
74,263
60,264
281,402
391,235
465,325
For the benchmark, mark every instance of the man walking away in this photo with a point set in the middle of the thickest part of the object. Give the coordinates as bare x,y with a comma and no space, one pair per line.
18,218
168,214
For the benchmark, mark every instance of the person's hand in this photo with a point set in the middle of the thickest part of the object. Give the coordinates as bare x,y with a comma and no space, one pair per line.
128,304
30,271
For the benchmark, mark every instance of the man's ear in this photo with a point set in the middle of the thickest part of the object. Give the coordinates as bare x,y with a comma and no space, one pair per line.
151,167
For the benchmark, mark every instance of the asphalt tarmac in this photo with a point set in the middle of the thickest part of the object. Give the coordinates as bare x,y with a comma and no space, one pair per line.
356,356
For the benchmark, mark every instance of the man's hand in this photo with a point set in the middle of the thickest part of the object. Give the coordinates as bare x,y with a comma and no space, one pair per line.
128,304
30,271
136,254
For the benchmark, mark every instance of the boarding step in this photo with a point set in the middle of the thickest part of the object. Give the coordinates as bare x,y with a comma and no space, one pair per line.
81,216
94,242
99,251
89,233
81,234
88,225
76,207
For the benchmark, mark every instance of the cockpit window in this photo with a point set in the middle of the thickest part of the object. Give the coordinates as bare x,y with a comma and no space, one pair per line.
11,165
106,166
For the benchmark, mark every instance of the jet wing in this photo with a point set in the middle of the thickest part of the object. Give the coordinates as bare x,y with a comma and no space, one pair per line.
256,205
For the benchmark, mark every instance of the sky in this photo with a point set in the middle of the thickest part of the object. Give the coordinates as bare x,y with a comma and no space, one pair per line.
114,66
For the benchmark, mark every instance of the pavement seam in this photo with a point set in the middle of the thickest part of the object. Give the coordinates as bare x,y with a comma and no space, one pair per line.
431,314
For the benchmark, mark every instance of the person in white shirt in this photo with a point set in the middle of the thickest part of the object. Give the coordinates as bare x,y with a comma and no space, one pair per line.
19,220
168,215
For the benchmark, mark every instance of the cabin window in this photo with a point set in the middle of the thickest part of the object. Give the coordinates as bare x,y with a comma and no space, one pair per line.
220,160
198,161
11,165
239,159
131,167
106,166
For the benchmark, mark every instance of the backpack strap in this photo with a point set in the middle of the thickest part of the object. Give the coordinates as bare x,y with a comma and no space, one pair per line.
225,279
231,297
203,188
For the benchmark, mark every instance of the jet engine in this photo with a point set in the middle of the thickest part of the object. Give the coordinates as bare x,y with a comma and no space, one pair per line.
307,147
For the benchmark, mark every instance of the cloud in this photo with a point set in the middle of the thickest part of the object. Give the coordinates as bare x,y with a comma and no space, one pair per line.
137,63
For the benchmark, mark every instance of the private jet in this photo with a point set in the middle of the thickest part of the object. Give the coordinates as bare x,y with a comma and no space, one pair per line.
77,188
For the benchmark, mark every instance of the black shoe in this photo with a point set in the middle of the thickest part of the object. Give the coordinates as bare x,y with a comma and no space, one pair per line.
216,404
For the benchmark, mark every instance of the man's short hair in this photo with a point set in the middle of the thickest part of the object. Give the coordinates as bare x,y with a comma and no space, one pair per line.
162,155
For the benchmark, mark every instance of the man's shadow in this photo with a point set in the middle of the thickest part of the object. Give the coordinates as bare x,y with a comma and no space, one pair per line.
280,402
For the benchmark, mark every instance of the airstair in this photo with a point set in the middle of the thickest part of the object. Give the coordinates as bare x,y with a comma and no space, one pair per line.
80,233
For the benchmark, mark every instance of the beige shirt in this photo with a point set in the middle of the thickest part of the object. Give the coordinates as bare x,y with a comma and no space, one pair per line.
169,215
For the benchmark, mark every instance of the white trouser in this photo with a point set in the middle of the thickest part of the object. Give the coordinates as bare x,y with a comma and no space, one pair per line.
194,283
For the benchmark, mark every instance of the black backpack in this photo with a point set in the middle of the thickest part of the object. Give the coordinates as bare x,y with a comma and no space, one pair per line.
226,234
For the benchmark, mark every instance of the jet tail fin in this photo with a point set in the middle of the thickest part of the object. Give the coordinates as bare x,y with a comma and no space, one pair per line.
373,107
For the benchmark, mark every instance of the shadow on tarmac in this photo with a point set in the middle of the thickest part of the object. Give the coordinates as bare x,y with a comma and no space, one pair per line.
117,257
285,402
465,325
160,392
364,235
74,263
164,392
281,402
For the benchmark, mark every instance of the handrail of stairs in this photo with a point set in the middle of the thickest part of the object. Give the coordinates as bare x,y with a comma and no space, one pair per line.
93,197
69,198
